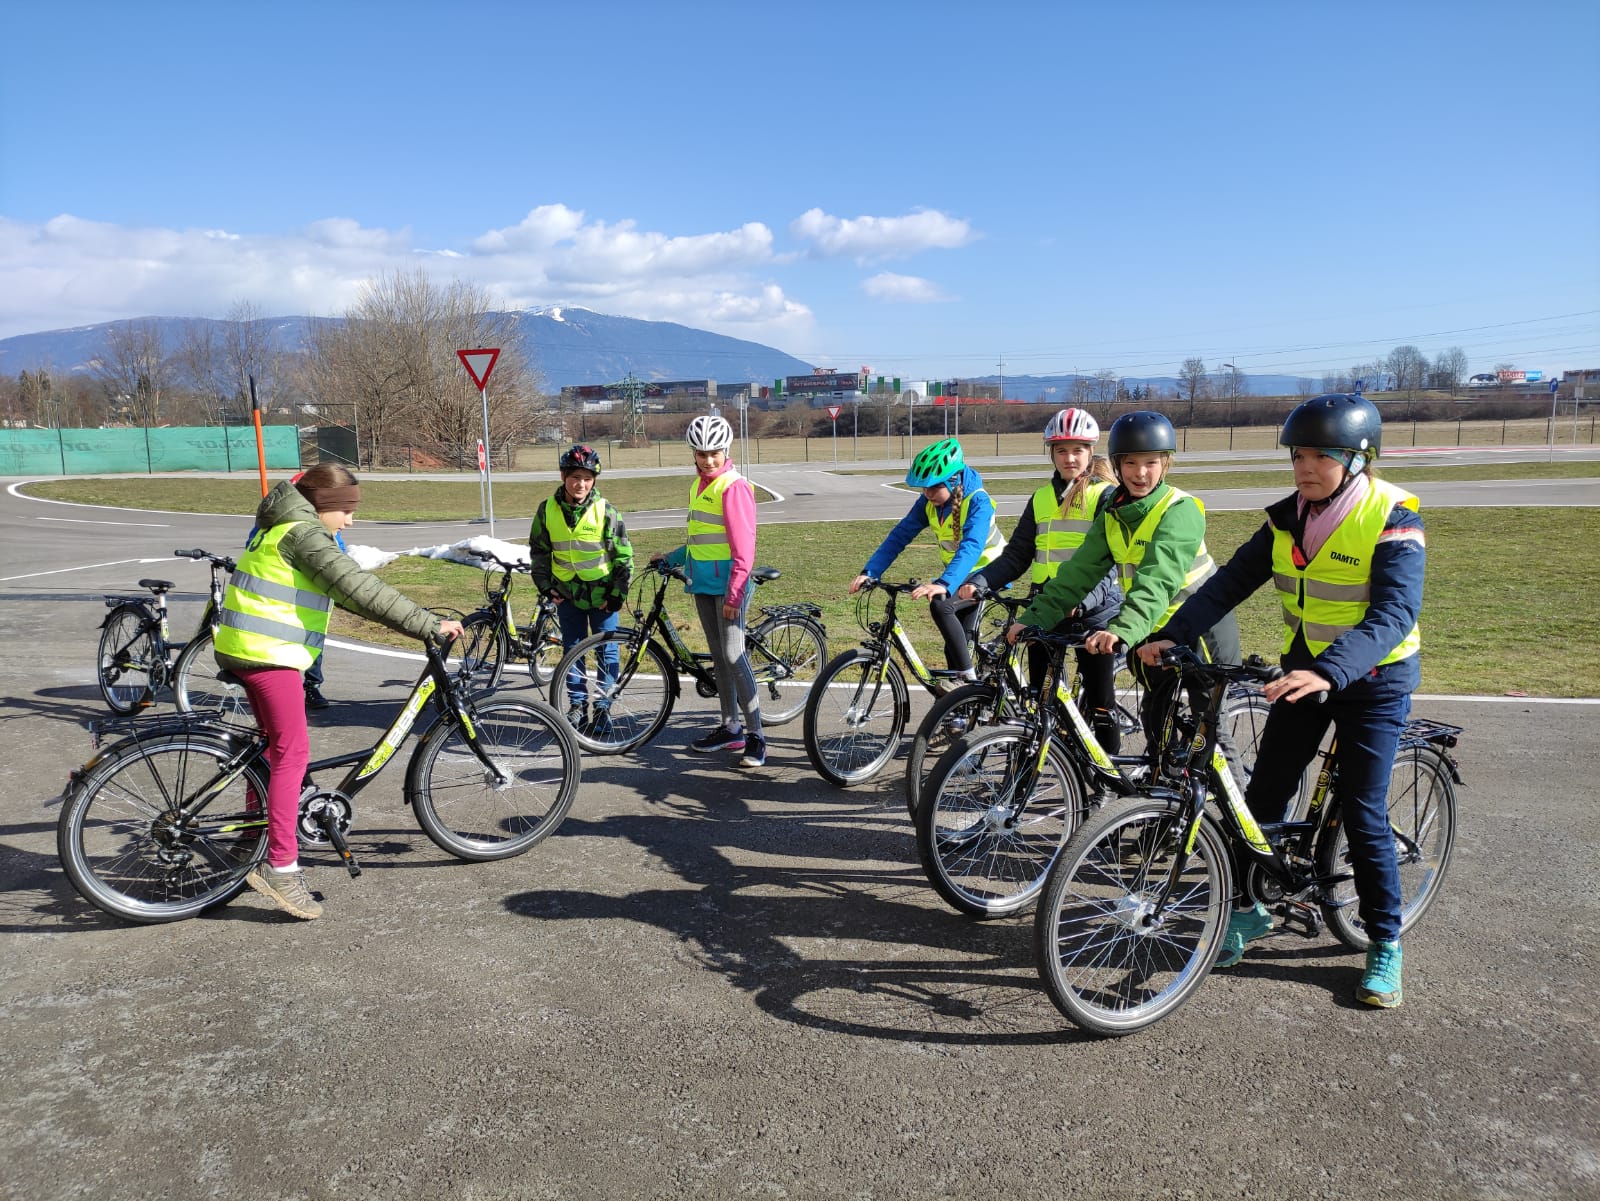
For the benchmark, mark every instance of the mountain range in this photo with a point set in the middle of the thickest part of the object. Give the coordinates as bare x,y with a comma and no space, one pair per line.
572,346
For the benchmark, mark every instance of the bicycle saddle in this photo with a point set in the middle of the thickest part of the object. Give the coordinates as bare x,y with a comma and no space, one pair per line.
157,586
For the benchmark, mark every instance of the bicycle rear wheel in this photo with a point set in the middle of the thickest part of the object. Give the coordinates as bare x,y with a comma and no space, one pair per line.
200,686
854,718
481,652
128,672
786,656
620,713
1107,959
129,850
1422,818
457,800
952,715
544,650
985,848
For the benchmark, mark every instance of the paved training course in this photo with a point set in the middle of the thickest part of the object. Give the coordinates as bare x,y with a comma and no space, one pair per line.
723,983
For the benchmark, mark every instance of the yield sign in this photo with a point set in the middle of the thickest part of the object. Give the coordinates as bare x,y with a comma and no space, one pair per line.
834,411
479,363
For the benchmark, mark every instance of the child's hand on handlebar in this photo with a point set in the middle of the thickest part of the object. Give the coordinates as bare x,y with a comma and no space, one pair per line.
450,629
1014,631
929,591
1297,685
1150,652
1102,642
855,584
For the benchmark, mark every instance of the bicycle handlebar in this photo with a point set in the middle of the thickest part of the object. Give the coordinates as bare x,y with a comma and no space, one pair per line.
222,561
489,556
1187,662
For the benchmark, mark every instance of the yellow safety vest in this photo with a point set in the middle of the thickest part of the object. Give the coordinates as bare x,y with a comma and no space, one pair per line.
1329,595
272,614
948,532
577,553
708,529
1058,529
1129,554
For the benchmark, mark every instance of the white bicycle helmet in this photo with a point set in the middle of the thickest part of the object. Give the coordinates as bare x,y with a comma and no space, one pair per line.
1071,425
709,433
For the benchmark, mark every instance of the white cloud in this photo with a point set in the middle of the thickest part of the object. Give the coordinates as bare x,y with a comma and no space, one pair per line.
866,238
904,289
69,272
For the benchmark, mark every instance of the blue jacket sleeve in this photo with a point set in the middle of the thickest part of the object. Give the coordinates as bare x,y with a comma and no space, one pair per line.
904,532
1398,564
974,537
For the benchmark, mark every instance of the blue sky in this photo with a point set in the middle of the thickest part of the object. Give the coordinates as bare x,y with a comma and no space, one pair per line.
928,189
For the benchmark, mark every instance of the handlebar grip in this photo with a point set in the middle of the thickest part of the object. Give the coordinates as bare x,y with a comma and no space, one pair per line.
190,554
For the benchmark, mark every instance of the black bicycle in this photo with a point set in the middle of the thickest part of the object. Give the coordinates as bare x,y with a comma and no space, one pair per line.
491,639
627,704
166,821
1136,907
138,659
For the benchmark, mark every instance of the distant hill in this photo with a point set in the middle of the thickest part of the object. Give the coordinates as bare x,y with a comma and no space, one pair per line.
1059,387
568,345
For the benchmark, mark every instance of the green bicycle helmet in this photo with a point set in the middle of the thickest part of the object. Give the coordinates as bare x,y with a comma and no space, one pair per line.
935,464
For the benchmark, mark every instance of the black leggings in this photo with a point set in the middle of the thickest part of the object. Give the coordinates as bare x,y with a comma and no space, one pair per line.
958,622
1219,644
1097,694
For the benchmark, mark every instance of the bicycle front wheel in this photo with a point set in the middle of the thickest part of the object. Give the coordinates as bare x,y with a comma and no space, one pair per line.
128,671
481,652
854,718
468,812
991,822
623,707
544,650
952,715
200,686
1109,959
1422,820
130,843
786,656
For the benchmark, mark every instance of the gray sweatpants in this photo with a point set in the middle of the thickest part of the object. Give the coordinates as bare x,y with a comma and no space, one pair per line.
729,663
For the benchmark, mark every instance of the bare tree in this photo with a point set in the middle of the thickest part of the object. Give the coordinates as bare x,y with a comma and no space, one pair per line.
1105,386
1193,379
393,359
251,349
1308,387
1449,369
198,363
1409,366
134,370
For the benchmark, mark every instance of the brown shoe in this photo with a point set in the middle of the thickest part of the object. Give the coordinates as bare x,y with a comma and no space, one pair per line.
287,890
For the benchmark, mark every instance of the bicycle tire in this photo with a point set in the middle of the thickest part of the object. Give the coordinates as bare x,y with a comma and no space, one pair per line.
787,654
199,686
636,704
125,857
127,672
481,652
1103,968
853,720
1422,813
469,817
952,715
1243,717
544,650
981,860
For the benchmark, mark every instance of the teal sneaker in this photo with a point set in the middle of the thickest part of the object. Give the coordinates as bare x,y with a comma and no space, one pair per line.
1380,983
1244,926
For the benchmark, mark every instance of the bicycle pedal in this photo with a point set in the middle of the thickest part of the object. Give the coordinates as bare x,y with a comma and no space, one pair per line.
1297,915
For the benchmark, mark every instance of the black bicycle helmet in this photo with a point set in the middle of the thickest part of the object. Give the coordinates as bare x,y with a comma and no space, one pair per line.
1337,421
578,455
1141,432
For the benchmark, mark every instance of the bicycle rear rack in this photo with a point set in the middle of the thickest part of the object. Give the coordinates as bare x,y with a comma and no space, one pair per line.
1420,731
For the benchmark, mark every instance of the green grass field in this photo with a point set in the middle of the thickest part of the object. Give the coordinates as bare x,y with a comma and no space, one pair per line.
1487,627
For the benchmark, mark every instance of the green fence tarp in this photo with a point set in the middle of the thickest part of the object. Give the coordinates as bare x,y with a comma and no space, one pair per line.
105,451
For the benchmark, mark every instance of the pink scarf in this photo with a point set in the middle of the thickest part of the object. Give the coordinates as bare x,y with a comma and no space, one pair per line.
1321,521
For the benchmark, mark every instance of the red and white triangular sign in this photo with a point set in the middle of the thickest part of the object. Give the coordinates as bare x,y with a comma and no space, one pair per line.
834,411
479,363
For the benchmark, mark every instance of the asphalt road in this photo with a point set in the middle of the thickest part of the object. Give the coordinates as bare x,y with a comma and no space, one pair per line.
728,984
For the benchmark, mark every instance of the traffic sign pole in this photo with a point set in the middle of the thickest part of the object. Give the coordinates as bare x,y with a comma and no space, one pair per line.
833,416
479,362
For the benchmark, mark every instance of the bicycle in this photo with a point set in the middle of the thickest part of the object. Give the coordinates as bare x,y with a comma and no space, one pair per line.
491,638
166,821
628,706
137,658
1002,800
1136,907
859,706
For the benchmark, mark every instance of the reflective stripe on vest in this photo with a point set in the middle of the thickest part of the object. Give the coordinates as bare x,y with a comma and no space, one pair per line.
1058,531
948,532
1129,555
708,529
577,553
271,613
1329,596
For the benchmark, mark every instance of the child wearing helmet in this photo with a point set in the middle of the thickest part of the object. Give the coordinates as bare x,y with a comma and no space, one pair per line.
956,506
1346,552
1047,535
719,555
1154,536
579,554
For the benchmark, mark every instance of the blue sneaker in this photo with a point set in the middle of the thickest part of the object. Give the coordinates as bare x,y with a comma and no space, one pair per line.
1380,983
1244,926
